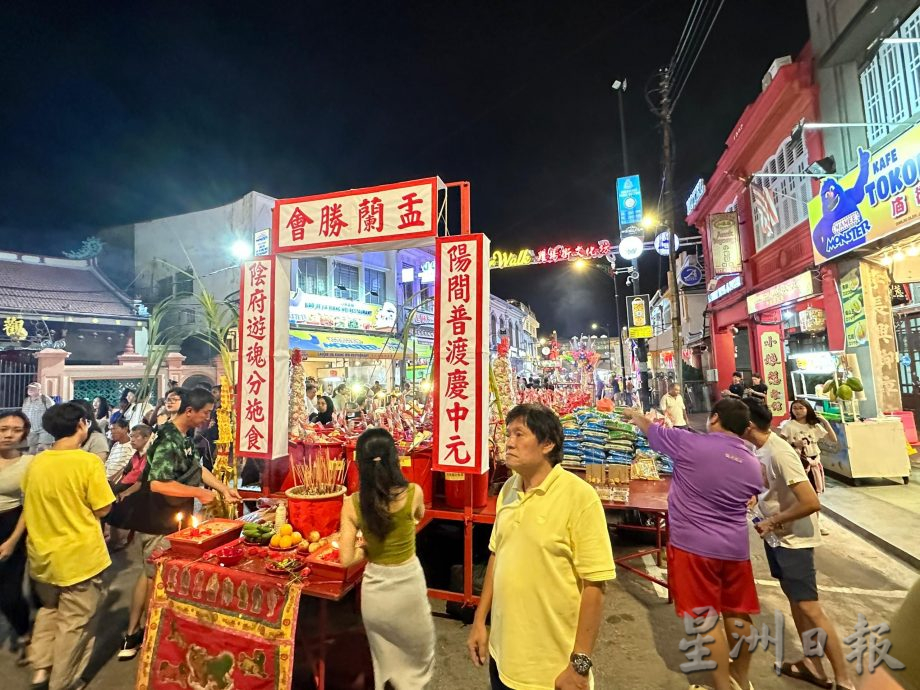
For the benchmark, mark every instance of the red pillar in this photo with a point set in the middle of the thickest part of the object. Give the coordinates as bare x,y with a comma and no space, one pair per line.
833,311
723,353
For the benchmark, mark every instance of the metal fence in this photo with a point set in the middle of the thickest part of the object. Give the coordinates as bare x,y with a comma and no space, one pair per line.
15,377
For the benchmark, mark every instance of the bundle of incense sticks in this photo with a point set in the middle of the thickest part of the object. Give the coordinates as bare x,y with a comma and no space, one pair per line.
321,474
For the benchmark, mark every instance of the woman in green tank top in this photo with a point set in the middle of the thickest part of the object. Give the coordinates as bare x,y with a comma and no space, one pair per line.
394,595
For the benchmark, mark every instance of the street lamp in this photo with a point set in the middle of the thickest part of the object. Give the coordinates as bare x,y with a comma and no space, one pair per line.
240,250
619,85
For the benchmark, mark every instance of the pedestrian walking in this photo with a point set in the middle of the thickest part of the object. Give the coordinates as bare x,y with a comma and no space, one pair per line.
65,495
709,559
394,596
34,406
14,434
673,407
551,559
804,429
790,506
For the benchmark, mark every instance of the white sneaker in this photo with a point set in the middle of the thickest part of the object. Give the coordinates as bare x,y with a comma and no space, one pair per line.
824,531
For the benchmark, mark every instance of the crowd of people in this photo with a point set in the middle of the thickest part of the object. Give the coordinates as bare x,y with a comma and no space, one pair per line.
64,485
549,537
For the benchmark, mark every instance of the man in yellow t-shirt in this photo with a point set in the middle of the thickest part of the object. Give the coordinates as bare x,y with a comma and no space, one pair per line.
551,559
65,494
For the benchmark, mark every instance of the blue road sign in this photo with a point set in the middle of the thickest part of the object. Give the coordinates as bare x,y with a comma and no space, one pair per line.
629,200
690,275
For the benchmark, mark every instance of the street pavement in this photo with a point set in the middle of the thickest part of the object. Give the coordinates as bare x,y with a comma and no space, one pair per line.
638,646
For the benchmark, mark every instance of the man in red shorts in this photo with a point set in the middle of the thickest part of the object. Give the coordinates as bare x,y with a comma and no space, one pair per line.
709,560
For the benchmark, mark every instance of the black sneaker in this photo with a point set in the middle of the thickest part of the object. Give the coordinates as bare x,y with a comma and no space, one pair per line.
131,646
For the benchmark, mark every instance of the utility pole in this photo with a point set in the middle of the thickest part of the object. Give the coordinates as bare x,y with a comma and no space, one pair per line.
641,343
669,221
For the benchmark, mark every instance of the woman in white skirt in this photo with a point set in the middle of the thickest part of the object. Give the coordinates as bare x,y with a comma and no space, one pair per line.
394,596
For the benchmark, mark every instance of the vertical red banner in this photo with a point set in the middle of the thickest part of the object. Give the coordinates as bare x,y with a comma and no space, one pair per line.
461,357
773,367
262,370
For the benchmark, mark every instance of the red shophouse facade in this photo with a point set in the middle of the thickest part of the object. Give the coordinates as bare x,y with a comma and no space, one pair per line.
764,126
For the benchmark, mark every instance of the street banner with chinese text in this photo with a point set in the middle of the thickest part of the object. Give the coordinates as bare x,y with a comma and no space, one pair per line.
461,362
263,357
390,213
879,197
724,243
773,368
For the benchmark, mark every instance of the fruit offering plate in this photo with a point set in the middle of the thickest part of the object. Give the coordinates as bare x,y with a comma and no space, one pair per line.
209,535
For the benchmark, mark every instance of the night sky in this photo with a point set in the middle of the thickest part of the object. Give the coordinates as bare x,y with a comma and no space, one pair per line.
119,112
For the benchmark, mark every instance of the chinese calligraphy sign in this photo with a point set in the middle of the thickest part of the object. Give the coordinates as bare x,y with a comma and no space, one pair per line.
774,375
461,354
389,213
260,330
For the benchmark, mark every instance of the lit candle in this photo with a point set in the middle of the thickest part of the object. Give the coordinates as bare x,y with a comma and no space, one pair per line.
179,517
194,532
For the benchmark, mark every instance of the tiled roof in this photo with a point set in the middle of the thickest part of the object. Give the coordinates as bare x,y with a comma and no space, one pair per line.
60,286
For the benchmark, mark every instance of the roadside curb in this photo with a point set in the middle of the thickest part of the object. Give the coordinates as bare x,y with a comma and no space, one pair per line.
889,548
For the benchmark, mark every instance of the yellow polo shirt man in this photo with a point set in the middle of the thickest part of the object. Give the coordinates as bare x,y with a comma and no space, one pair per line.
546,542
62,488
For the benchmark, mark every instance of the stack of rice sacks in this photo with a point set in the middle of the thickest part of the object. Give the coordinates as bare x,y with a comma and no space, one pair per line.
662,462
596,437
571,445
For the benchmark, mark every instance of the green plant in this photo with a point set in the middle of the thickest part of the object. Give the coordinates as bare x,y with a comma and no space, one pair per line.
166,334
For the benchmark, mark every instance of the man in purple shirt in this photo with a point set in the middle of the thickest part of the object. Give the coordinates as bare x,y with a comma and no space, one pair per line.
709,559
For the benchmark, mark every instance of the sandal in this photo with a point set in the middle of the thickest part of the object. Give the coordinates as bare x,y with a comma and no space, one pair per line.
799,671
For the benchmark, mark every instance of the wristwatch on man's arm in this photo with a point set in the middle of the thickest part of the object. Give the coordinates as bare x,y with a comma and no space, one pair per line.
581,663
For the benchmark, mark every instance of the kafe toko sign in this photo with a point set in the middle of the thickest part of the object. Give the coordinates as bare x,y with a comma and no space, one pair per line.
879,197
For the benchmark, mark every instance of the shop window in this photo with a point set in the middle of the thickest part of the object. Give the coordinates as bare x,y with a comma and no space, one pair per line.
891,83
788,195
375,286
492,331
345,278
311,276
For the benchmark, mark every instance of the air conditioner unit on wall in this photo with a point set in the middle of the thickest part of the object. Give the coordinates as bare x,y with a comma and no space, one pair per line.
773,70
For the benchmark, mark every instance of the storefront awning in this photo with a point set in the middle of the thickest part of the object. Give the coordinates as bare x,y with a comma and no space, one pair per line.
325,344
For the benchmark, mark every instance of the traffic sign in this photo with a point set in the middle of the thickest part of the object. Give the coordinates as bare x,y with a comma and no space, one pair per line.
661,242
690,275
629,200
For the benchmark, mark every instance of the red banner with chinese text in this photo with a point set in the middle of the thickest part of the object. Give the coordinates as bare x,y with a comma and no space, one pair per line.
461,359
263,354
392,213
